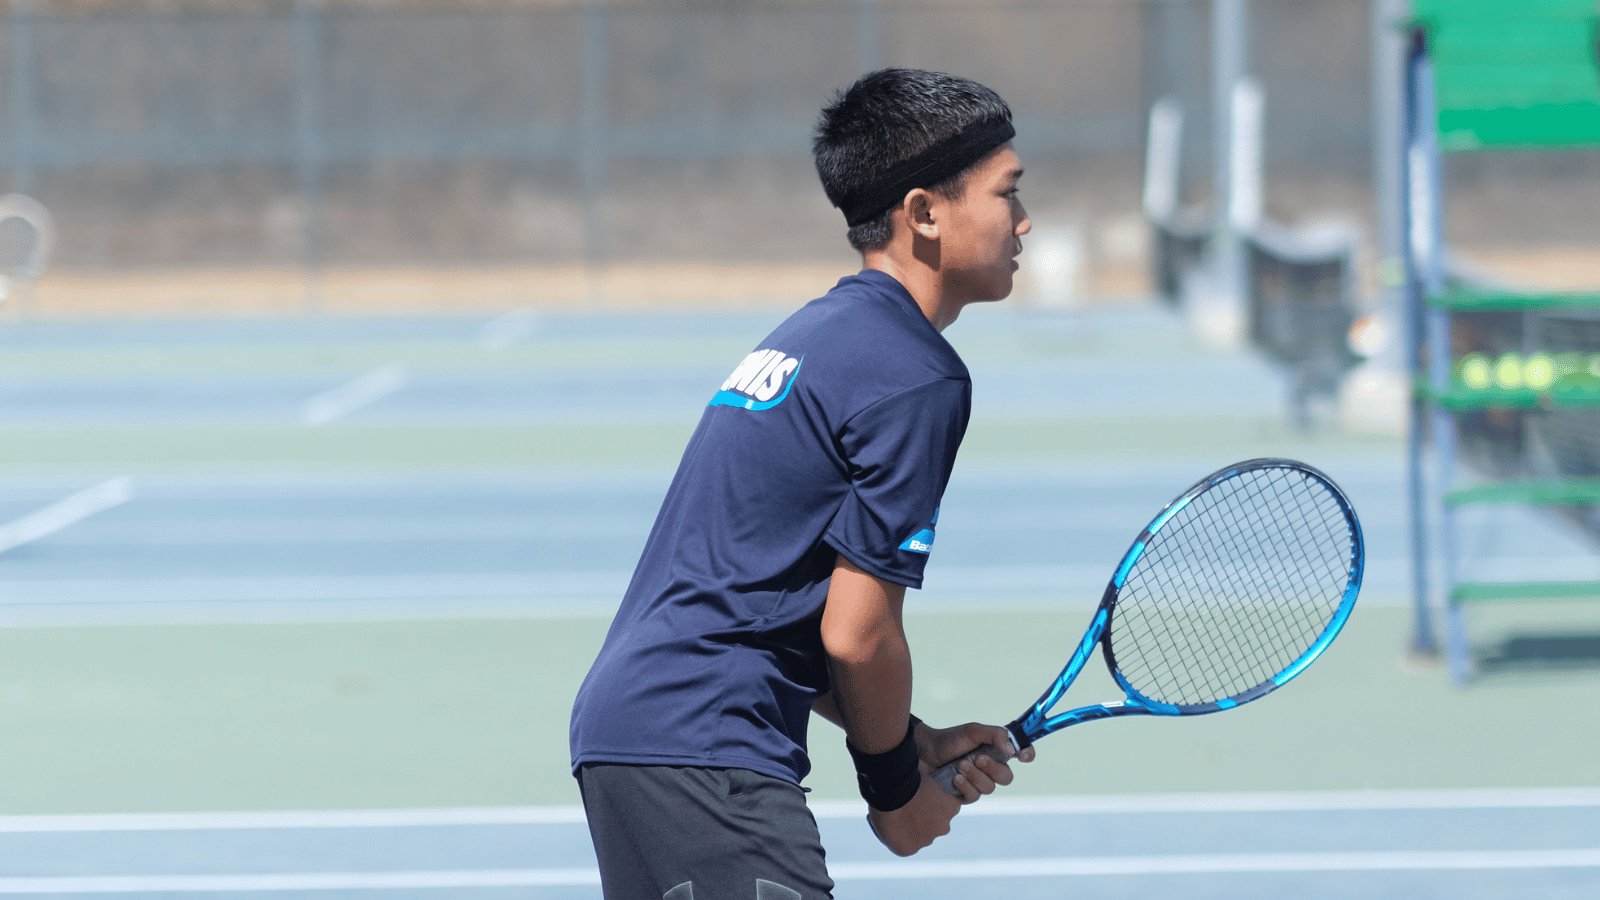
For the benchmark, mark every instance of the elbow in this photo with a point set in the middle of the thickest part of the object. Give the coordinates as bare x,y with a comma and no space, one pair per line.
863,649
861,619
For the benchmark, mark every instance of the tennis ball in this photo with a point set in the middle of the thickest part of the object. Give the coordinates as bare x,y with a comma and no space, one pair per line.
1476,372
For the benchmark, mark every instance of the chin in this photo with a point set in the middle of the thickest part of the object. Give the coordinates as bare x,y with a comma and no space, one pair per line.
988,290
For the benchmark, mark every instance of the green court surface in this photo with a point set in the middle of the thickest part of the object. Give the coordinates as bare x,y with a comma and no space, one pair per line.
435,711
473,713
476,445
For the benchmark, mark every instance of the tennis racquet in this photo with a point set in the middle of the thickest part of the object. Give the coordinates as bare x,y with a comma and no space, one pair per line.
1230,592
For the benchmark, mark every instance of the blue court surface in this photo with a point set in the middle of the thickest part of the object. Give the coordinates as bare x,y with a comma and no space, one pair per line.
1312,845
295,608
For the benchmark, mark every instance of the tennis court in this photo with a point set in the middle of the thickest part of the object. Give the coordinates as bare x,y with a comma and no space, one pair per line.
333,654
297,587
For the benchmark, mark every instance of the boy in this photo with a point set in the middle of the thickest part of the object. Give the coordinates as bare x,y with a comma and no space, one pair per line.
772,582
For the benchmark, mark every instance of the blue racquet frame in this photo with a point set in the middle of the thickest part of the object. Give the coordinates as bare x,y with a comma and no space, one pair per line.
1037,721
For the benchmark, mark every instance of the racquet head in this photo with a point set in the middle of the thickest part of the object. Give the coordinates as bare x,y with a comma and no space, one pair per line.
1230,592
1233,589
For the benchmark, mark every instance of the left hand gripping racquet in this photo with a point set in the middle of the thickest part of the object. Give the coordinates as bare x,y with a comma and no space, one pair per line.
1231,591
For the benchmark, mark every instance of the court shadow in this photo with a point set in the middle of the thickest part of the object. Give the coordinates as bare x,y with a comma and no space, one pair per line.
1540,653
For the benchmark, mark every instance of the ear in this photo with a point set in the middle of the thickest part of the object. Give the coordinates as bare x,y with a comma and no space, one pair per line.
921,213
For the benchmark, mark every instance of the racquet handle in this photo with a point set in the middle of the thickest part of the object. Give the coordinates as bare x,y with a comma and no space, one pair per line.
945,775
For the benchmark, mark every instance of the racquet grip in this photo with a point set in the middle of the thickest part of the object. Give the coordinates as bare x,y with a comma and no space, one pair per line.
945,775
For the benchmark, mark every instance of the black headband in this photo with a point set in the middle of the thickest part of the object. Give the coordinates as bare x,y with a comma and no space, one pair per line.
931,166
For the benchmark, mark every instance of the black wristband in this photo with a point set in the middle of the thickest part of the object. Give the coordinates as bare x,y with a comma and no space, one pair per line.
890,779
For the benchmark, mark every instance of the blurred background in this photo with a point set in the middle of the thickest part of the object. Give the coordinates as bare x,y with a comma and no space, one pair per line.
278,156
347,348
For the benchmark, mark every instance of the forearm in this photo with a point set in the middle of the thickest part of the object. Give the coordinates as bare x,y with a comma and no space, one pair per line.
869,662
869,659
873,697
826,708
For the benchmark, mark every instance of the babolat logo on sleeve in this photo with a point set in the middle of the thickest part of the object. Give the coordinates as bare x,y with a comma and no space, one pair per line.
762,381
922,541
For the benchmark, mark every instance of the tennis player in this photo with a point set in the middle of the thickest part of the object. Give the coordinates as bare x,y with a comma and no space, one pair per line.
772,583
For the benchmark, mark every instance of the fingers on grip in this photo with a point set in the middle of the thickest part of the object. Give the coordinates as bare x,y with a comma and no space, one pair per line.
945,775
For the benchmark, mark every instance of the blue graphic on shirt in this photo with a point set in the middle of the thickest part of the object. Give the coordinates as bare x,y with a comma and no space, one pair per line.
755,384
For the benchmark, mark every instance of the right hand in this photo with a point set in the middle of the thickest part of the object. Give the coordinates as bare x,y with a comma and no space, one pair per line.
975,774
916,825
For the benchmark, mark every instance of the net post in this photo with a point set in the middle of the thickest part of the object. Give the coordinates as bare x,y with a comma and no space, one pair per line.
1427,240
1414,218
1228,45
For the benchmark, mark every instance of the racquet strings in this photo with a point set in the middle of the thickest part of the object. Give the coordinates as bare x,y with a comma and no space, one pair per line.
1233,588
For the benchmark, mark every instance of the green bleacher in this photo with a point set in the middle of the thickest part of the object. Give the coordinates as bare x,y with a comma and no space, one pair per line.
1498,75
1513,74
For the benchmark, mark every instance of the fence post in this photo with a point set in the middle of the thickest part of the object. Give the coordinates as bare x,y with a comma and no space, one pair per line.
310,77
20,98
1409,206
593,147
1228,48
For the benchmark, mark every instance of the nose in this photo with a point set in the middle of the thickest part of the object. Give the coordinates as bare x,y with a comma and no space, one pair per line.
1024,225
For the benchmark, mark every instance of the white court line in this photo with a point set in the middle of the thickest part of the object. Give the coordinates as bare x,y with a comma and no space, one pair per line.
601,585
353,818
66,512
503,331
1386,861
1383,861
319,881
1309,801
595,584
538,525
353,394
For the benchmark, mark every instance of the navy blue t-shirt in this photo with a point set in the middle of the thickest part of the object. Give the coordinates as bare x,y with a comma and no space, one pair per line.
836,436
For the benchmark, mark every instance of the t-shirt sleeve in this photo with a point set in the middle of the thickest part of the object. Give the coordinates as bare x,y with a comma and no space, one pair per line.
900,451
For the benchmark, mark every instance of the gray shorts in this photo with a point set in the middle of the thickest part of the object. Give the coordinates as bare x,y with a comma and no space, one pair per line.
684,833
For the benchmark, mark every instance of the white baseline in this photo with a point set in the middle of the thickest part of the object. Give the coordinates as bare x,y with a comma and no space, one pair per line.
886,871
352,395
1109,804
908,870
64,513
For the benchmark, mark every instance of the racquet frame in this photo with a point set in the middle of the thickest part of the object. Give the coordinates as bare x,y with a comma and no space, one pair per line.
1037,721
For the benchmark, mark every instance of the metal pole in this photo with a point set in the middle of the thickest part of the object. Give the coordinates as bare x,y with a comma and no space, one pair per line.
1246,181
1427,240
309,81
20,100
592,145
1163,159
1395,217
1389,139
20,97
1172,67
1228,49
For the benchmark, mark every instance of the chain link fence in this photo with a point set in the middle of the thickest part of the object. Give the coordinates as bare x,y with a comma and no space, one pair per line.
565,141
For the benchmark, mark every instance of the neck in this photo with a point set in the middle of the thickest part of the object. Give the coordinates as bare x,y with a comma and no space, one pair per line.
923,282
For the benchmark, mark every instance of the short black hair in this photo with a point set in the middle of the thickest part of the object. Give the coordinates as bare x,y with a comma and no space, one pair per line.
887,117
